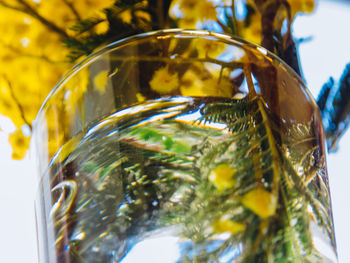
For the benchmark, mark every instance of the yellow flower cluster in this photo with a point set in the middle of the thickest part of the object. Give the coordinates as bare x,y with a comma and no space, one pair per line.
30,55
67,13
33,57
191,84
203,76
228,226
222,177
301,6
193,11
261,202
19,143
253,31
164,81
251,27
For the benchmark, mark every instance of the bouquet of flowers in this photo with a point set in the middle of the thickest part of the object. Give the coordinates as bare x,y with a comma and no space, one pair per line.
268,193
37,48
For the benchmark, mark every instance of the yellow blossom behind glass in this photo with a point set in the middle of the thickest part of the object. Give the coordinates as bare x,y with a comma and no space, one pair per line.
261,202
252,32
227,225
69,147
34,49
193,11
222,177
193,84
208,48
55,136
164,81
76,87
100,81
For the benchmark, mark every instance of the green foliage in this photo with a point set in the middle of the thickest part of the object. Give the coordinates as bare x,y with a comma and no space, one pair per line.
160,174
335,108
144,17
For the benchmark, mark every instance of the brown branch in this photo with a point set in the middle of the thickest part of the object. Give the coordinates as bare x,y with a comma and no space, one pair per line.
290,53
289,19
248,73
28,9
21,110
268,15
160,13
72,8
223,27
17,8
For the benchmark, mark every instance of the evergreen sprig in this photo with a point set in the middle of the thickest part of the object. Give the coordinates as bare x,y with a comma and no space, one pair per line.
141,174
335,107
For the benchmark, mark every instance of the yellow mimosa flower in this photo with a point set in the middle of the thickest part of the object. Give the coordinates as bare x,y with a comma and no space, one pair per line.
209,48
91,8
164,81
188,7
76,88
217,88
102,27
226,225
143,15
301,6
193,11
140,97
100,81
252,32
126,16
261,202
206,10
222,177
19,143
193,85
63,16
187,23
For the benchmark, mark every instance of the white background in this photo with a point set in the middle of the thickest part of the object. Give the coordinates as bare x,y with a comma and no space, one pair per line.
325,55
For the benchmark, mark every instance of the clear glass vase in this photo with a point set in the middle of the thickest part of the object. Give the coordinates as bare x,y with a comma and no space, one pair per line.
182,146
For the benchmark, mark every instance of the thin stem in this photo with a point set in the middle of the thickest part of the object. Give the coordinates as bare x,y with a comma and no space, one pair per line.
11,7
273,147
224,28
289,19
72,8
14,97
291,229
160,13
234,19
31,11
248,73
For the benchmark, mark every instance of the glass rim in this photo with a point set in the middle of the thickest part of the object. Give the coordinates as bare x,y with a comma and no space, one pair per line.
230,39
